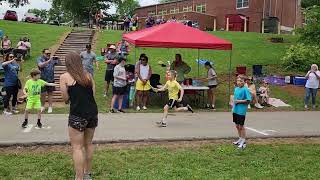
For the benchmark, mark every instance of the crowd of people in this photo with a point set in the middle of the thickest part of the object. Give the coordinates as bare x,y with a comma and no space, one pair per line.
152,21
21,50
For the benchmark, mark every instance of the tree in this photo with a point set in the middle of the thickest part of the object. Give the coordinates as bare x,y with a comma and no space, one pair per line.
82,9
126,7
15,3
309,3
56,14
310,33
166,1
42,13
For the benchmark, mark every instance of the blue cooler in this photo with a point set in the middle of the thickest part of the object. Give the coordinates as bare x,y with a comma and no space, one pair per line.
299,81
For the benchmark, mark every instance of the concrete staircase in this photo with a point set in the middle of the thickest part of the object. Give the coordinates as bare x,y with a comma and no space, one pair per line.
75,41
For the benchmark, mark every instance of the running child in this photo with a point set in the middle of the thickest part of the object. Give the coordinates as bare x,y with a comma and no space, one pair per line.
242,98
173,88
32,89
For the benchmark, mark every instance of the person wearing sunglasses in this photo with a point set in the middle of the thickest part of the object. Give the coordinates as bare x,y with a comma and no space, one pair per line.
46,65
11,85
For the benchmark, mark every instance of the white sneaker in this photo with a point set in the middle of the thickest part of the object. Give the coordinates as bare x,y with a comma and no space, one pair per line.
50,110
7,113
144,108
249,106
42,109
241,143
306,106
15,111
257,105
242,146
237,142
138,108
104,95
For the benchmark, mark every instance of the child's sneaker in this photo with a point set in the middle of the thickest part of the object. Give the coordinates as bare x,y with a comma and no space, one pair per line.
213,107
144,108
306,107
190,108
236,142
87,176
138,108
257,105
164,124
242,146
249,106
121,111
39,125
24,124
15,110
49,110
7,113
112,111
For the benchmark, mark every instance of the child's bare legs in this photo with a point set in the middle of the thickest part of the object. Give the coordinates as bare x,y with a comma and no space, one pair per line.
213,97
165,113
139,98
239,130
120,100
242,130
180,109
39,114
145,96
26,114
209,97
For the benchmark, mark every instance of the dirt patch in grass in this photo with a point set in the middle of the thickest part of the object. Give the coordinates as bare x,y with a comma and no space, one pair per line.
294,90
44,149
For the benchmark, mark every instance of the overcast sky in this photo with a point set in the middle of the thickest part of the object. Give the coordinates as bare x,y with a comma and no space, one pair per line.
43,4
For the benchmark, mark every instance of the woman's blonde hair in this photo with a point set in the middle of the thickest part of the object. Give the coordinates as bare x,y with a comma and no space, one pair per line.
316,66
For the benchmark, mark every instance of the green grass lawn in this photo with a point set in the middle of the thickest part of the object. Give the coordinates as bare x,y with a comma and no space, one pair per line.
41,36
248,49
211,161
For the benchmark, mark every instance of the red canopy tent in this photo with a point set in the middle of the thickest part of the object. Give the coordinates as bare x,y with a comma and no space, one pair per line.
177,35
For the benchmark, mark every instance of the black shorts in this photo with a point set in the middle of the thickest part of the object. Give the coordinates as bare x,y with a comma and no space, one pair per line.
48,89
119,90
109,76
239,119
172,103
212,86
82,124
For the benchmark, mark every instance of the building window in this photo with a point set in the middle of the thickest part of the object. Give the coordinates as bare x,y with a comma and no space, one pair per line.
242,4
187,9
162,12
151,13
201,8
174,10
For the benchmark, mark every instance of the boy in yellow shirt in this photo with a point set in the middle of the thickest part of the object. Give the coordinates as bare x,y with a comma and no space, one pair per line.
173,88
32,89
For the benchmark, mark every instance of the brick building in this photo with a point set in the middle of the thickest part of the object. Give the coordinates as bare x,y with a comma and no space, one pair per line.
233,15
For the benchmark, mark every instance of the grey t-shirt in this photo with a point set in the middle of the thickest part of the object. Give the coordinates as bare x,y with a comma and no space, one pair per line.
111,56
212,74
119,71
87,60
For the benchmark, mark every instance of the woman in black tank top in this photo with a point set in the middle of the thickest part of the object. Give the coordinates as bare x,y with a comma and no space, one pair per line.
77,87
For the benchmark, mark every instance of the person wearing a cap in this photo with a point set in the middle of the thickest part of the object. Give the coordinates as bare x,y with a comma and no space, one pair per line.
88,59
111,61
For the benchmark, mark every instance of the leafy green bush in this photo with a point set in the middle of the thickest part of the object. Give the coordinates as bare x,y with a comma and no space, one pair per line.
300,57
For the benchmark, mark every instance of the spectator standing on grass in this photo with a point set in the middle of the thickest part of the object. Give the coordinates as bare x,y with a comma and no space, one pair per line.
242,98
88,59
143,86
78,89
123,48
312,85
46,65
119,85
181,68
11,84
111,61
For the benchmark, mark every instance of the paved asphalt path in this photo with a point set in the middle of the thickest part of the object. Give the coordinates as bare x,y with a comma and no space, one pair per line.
141,127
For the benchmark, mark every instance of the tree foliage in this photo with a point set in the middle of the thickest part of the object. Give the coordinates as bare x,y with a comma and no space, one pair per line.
310,33
126,7
82,9
309,3
15,3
